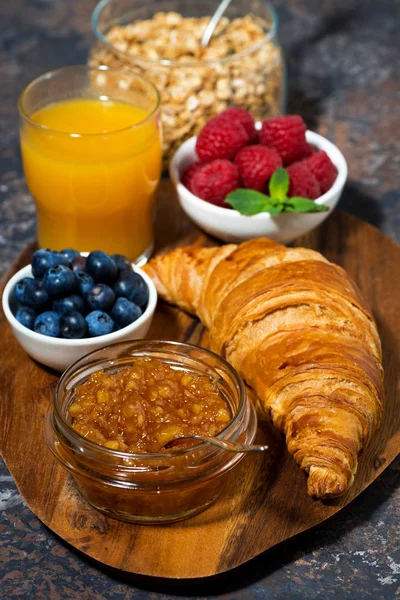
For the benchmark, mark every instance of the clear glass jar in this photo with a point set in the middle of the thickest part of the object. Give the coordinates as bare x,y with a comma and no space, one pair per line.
149,488
245,70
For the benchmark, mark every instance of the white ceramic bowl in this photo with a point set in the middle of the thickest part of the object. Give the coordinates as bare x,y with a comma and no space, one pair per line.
59,353
230,226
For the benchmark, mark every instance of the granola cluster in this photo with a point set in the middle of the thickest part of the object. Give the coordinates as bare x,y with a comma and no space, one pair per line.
238,67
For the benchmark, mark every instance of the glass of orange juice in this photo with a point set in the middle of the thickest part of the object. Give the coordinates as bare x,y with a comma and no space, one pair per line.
91,151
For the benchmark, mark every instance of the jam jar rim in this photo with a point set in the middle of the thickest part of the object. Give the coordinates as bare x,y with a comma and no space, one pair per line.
73,435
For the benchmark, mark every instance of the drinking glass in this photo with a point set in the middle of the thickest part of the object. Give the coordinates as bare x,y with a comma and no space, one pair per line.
91,150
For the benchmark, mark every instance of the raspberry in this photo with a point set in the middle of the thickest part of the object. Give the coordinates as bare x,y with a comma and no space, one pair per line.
285,135
237,115
323,169
220,139
302,182
307,151
256,165
189,173
215,180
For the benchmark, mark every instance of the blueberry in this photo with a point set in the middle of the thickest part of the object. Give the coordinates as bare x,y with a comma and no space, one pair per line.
99,323
123,285
100,297
48,323
59,281
124,312
43,260
26,316
79,263
132,286
123,263
31,292
25,284
70,254
101,267
73,326
72,303
84,282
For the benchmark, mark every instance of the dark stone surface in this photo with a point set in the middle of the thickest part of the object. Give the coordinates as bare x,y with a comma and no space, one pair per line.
344,64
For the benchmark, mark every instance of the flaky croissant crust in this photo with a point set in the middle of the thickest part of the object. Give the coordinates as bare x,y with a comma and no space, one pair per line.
297,329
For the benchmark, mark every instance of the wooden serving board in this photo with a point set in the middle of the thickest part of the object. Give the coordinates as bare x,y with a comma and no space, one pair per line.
266,501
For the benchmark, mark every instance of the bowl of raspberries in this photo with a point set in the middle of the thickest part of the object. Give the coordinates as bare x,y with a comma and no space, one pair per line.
240,179
65,304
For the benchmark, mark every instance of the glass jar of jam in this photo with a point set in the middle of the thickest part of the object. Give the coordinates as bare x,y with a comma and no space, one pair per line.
153,485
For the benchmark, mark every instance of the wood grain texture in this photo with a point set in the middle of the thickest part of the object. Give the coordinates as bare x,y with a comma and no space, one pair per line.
266,501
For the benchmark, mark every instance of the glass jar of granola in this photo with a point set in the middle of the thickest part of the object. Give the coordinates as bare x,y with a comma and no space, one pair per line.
241,66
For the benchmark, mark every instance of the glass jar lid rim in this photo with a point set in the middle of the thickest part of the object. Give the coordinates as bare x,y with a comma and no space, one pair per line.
174,63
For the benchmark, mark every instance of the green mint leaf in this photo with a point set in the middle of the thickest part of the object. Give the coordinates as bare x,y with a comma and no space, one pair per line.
250,202
276,205
303,205
279,184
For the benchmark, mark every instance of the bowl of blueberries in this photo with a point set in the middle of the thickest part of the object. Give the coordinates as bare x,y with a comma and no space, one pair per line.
66,304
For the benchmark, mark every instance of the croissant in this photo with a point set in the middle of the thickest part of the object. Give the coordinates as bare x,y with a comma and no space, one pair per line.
298,331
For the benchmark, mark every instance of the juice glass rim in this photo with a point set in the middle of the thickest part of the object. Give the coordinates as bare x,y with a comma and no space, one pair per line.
54,72
166,62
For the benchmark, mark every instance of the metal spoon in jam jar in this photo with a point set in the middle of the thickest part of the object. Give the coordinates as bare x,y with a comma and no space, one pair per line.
229,446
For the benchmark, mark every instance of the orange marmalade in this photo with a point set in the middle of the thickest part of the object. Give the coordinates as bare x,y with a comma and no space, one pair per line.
142,407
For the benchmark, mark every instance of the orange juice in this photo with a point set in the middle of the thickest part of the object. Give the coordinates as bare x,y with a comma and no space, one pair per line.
92,166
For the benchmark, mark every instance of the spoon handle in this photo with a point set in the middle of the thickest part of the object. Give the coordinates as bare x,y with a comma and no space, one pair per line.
229,446
214,22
